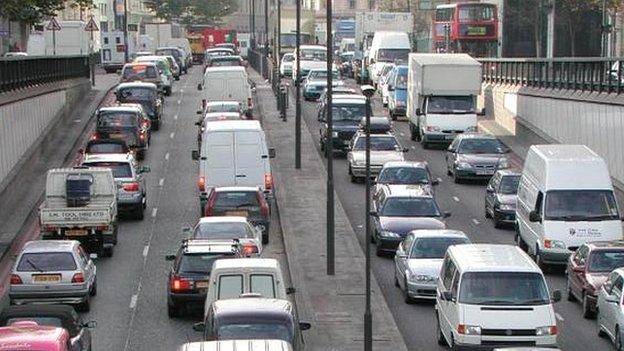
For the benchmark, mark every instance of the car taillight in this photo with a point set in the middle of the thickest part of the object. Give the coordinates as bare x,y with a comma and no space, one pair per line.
268,181
142,136
180,284
249,249
134,186
264,206
15,279
249,102
93,136
145,124
201,183
78,278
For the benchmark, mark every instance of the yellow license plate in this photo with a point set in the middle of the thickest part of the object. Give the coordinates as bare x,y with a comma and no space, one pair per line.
236,213
201,285
76,232
47,278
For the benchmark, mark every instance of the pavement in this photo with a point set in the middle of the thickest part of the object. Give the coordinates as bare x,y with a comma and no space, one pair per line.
333,304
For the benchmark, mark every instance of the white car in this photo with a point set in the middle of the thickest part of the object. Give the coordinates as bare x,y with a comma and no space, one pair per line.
383,148
286,65
382,86
610,313
219,228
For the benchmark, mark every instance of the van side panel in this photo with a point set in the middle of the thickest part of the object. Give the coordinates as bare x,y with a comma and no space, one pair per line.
249,162
218,168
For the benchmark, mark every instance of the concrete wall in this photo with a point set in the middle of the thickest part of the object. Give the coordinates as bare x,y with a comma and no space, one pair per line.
567,117
25,119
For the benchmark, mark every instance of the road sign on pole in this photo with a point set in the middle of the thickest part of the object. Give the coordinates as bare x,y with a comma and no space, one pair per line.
91,26
53,25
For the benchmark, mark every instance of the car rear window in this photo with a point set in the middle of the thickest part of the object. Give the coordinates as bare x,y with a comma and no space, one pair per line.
139,72
46,261
120,169
118,120
223,108
170,52
230,286
106,148
136,93
199,263
236,199
223,231
262,284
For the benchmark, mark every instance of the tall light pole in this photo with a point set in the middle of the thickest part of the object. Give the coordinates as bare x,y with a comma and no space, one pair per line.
297,90
253,24
266,28
330,147
125,30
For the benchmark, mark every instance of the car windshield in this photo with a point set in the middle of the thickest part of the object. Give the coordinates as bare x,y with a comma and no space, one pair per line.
401,80
199,263
345,113
480,146
403,175
168,52
223,108
225,63
106,148
288,58
321,75
391,55
509,185
46,262
136,94
410,207
580,205
605,261
258,330
118,120
120,169
434,247
450,104
223,231
313,55
378,143
503,288
139,72
236,199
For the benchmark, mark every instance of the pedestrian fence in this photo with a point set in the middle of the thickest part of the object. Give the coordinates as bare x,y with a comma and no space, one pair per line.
27,71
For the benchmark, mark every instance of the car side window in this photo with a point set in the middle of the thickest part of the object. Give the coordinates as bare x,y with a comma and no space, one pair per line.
494,182
449,272
455,144
407,244
580,258
538,202
455,285
616,287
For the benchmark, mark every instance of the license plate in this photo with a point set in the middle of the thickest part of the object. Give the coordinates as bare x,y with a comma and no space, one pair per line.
484,172
115,135
449,137
76,232
46,278
237,213
201,285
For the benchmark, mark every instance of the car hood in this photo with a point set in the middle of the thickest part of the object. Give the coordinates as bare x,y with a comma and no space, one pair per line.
596,279
404,225
480,158
507,199
425,266
378,157
345,126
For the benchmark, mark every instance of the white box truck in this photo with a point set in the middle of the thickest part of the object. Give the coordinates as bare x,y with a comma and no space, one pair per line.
72,39
113,50
369,22
442,92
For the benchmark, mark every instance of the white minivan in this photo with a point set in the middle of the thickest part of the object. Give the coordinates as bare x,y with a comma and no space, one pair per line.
492,296
229,83
565,199
387,47
233,153
231,278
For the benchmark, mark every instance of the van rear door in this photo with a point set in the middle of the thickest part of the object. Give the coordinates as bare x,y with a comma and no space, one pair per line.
249,162
218,168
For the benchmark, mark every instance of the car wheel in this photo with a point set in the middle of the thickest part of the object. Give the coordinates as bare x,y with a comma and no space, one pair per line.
539,260
497,223
601,332
396,280
265,237
487,213
139,212
156,125
425,145
618,339
353,178
418,135
372,238
456,178
570,296
412,132
378,252
408,299
93,291
519,242
441,338
393,116
108,251
587,311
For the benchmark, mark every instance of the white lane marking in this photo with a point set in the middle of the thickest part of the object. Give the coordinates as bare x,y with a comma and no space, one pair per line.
439,180
559,317
145,250
455,198
133,301
171,135
179,102
402,134
175,117
475,221
181,90
161,182
154,211
360,226
167,156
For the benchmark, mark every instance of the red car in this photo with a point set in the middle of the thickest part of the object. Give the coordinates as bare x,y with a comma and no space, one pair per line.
588,268
28,335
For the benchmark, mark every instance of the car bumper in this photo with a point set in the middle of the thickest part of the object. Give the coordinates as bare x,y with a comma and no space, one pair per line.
555,257
190,298
487,342
388,244
311,94
360,171
507,217
399,111
421,291
438,138
472,174
49,297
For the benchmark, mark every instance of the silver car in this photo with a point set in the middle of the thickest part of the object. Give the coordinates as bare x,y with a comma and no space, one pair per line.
54,272
383,148
418,260
131,189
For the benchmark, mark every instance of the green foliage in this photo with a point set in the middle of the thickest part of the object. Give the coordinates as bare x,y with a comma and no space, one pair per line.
30,11
192,11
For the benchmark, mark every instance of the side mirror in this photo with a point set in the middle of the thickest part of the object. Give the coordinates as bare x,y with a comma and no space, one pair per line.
145,169
290,290
170,257
611,299
534,216
435,182
304,325
402,256
418,112
447,296
186,230
489,189
390,87
199,327
93,257
199,86
271,152
195,155
555,296
405,149
89,324
446,214
199,112
198,123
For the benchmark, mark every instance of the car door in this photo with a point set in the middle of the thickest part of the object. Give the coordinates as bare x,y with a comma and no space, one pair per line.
612,310
248,151
87,265
577,278
401,257
451,154
490,192
447,309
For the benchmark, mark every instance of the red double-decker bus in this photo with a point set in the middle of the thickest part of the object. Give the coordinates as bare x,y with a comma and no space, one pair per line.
466,27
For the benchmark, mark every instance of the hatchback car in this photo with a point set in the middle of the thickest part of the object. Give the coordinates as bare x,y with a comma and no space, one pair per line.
177,54
142,72
62,316
145,94
102,147
399,209
418,260
383,148
475,156
588,268
611,308
248,202
28,335
166,75
53,272
346,116
190,272
228,228
316,81
123,123
405,173
500,197
131,188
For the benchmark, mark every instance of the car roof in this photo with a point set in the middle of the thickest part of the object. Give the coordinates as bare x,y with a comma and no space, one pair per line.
348,99
226,69
237,345
224,102
407,190
508,172
413,164
67,314
234,125
228,57
320,47
223,219
225,114
38,246
492,258
125,108
436,233
125,158
222,189
26,332
604,245
254,306
246,263
137,84
194,246
149,58
140,63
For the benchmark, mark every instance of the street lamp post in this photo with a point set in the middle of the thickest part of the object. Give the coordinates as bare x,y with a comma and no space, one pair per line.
125,31
253,24
266,28
330,148
297,90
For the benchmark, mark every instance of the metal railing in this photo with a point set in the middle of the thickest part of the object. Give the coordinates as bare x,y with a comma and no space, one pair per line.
582,74
259,63
23,72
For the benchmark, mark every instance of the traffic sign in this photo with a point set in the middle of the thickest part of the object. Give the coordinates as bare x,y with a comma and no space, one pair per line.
91,26
53,24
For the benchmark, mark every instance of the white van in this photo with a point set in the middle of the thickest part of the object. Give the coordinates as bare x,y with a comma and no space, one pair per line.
237,345
565,199
233,153
243,44
227,84
493,295
310,57
231,278
387,47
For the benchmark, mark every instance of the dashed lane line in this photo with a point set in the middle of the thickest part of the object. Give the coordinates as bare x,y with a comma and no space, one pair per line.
154,211
559,318
167,156
161,182
475,221
133,301
455,198
171,135
145,250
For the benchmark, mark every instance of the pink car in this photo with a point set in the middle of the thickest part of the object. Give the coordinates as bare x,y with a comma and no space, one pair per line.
28,335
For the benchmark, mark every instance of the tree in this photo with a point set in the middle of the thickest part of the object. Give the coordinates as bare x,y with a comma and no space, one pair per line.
190,12
30,12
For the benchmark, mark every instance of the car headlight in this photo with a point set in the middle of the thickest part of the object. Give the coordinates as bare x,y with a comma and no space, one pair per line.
506,207
334,134
359,162
547,330
423,278
462,165
554,244
387,234
503,163
472,129
469,329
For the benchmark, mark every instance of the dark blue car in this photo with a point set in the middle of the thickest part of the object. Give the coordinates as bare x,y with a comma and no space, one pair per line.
397,89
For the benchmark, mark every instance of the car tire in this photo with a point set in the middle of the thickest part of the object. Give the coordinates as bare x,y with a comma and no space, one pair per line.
412,132
139,212
618,339
93,291
86,305
520,243
372,238
487,213
396,280
419,136
265,237
407,298
354,179
167,91
570,297
539,260
441,339
456,178
156,125
601,333
173,311
108,251
379,252
587,311
497,223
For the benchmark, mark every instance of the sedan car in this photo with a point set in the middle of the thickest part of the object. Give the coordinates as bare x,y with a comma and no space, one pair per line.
145,94
229,228
123,123
500,197
286,65
588,268
316,81
405,173
611,308
54,316
53,272
418,260
475,156
383,148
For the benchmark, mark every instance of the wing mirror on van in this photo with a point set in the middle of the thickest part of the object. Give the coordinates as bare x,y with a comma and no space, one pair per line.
186,230
447,296
534,216
198,123
489,189
435,182
271,152
145,169
170,257
199,112
446,214
304,325
199,86
555,296
418,112
482,112
405,149
199,327
290,290
195,155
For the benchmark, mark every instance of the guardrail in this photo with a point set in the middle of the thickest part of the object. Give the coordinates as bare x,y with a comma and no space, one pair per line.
23,72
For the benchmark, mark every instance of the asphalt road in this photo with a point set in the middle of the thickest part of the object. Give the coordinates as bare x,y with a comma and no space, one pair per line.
416,322
130,307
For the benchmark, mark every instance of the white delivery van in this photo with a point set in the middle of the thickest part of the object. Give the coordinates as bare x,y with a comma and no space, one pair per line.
243,44
113,55
493,295
234,153
565,199
442,92
387,47
231,278
227,84
310,57
237,345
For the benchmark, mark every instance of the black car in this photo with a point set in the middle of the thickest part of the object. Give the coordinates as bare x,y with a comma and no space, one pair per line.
500,197
63,316
190,272
145,94
123,123
253,318
346,116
